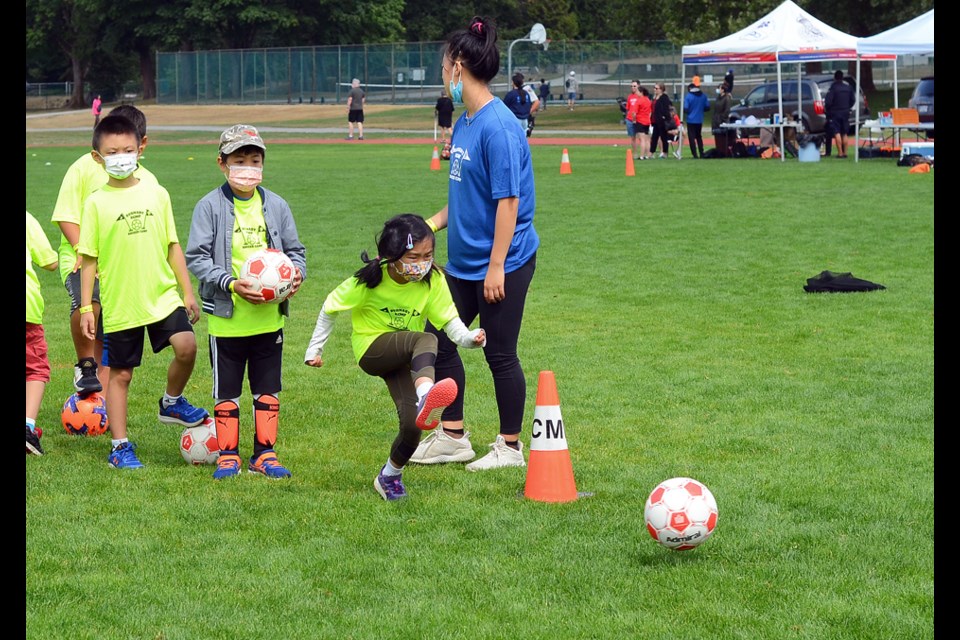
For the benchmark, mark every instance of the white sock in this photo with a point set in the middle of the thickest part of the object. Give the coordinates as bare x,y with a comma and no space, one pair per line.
390,470
169,400
117,443
423,390
32,424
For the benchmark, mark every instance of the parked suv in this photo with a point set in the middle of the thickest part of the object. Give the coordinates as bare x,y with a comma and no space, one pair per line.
922,100
761,102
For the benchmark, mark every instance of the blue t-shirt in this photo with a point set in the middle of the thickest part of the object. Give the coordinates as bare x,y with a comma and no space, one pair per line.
489,160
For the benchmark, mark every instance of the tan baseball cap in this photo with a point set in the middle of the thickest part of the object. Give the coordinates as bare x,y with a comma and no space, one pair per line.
240,135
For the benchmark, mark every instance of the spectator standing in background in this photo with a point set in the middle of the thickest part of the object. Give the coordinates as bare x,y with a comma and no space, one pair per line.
695,103
571,85
838,103
355,101
721,113
96,110
544,94
444,114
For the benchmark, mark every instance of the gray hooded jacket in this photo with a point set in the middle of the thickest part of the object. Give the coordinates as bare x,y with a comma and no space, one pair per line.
209,250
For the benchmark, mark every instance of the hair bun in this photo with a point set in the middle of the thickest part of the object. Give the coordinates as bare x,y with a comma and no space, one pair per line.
477,26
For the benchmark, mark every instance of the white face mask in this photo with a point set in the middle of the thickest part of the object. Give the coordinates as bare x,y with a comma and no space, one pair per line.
120,165
245,178
413,271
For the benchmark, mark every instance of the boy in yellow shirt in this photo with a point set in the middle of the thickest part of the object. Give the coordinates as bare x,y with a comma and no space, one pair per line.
128,236
40,253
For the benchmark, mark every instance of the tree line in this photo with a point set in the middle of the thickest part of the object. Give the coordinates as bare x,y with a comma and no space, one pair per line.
102,43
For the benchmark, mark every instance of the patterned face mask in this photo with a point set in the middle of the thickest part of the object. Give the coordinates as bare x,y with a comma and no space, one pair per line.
120,165
413,271
245,178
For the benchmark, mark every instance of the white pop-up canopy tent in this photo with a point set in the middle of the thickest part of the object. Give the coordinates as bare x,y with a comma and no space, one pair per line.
914,37
786,34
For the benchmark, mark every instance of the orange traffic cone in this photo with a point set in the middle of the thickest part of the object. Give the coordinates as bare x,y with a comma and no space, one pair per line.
435,161
630,171
549,470
565,163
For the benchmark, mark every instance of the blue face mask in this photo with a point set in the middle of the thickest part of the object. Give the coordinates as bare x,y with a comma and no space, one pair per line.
455,91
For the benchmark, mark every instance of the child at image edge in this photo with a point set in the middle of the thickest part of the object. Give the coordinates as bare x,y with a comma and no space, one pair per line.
230,223
128,236
391,298
40,253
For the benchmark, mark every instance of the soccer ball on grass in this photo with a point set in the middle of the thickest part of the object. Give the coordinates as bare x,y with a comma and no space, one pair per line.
85,416
271,273
680,513
199,445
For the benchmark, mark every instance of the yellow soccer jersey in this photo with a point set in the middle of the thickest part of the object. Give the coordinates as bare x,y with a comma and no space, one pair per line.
83,177
249,236
391,307
130,231
39,252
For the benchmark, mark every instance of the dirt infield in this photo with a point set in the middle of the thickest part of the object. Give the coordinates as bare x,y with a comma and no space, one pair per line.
310,124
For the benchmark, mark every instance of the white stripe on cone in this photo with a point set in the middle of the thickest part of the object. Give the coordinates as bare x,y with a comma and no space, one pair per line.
547,433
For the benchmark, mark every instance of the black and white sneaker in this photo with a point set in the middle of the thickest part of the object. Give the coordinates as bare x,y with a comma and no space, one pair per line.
87,382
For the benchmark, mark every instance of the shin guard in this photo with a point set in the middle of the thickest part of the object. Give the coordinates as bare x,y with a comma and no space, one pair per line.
226,414
266,411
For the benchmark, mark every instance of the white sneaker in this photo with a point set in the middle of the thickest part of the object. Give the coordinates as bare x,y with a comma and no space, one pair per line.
438,447
501,455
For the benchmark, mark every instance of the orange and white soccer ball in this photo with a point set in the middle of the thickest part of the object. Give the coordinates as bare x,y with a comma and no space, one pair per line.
681,513
199,445
271,272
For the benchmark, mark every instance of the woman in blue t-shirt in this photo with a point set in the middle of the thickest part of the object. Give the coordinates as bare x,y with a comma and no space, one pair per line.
491,245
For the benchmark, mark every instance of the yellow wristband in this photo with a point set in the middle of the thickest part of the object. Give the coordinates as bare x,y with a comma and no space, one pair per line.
86,309
232,286
432,225
76,248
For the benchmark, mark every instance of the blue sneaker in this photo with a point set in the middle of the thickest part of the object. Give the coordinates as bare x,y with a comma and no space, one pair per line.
182,412
228,465
123,457
267,464
390,487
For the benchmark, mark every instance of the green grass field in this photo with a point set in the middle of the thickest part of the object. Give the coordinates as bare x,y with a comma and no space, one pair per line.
670,307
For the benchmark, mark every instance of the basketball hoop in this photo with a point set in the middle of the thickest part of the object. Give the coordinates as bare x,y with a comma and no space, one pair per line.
538,34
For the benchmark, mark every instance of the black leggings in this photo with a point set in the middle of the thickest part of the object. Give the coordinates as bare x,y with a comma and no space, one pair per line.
501,322
659,134
400,358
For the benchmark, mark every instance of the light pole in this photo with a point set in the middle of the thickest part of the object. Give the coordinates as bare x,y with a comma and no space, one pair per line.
537,35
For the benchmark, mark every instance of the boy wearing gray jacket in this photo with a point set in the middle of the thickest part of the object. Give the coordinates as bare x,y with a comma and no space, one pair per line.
232,222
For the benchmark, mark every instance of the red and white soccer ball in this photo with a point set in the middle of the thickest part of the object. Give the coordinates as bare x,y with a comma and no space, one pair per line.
271,273
681,513
198,445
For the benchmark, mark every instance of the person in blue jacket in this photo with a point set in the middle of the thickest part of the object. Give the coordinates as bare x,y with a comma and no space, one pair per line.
695,104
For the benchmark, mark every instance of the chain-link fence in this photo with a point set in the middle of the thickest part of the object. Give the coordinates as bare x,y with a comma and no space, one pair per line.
409,73
397,73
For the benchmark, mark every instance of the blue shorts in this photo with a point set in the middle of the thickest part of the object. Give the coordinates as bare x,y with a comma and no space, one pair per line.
631,129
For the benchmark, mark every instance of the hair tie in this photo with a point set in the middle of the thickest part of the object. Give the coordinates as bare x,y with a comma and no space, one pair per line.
477,26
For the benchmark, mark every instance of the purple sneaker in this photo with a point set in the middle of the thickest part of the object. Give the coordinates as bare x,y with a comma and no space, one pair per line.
390,487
